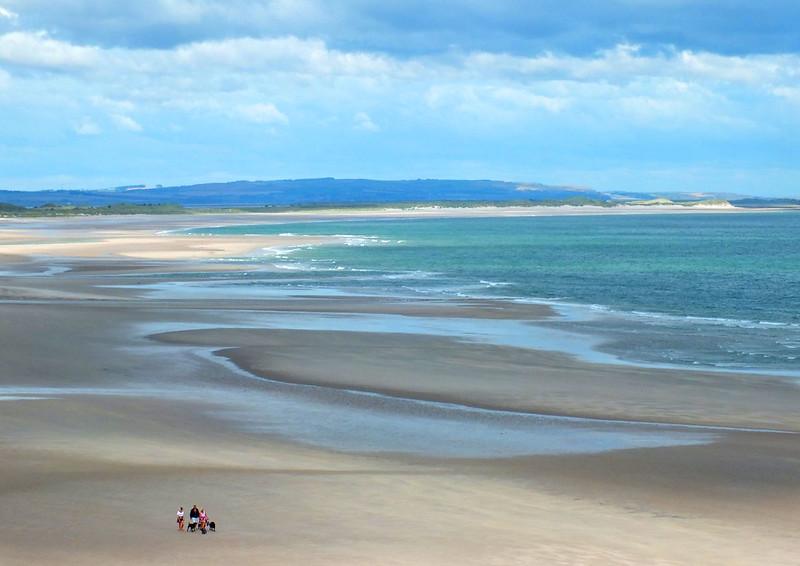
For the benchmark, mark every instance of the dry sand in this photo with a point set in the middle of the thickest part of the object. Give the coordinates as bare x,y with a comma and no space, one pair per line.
123,428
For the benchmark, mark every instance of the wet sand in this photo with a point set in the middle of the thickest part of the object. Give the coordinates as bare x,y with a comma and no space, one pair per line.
504,378
119,427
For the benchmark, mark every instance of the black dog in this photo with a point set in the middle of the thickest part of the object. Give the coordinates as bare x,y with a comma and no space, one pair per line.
212,526
191,527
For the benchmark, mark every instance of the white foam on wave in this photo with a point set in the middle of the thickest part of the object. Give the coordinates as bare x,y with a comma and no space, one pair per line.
713,321
494,284
590,310
295,266
346,239
413,275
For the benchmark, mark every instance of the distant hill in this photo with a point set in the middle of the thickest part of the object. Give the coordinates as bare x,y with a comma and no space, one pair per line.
328,191
303,191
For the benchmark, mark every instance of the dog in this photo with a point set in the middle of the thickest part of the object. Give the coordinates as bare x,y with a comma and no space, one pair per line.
212,526
192,527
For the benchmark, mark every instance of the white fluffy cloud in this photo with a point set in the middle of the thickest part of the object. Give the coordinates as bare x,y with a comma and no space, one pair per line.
313,60
231,78
127,123
38,50
791,94
625,63
364,122
6,14
262,113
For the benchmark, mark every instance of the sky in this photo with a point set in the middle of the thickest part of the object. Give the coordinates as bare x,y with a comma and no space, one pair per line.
638,95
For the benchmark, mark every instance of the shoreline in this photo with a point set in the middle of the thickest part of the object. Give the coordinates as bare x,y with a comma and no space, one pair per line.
377,210
178,252
597,345
201,252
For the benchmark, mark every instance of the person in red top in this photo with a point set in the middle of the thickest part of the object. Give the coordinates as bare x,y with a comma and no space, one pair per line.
203,518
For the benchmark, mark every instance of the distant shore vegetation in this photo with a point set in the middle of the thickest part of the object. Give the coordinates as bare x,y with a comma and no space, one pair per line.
45,210
55,210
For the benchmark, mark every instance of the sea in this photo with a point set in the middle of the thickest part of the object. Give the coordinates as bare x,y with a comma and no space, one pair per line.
705,291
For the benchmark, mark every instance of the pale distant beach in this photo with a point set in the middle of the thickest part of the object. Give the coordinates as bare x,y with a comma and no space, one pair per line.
322,423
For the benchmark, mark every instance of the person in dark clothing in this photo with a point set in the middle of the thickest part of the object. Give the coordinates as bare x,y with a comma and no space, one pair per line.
194,517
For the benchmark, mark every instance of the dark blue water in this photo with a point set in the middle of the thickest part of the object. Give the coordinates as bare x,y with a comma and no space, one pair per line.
703,289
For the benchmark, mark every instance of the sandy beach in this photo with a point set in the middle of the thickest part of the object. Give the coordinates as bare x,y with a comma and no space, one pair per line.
118,404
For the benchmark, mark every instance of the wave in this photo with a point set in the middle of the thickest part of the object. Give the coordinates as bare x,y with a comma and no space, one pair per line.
284,251
486,287
441,283
573,308
347,239
494,284
715,321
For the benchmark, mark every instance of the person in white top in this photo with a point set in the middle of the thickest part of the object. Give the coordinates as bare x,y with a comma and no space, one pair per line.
180,519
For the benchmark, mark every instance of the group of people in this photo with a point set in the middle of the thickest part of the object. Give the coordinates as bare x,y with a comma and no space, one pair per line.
198,519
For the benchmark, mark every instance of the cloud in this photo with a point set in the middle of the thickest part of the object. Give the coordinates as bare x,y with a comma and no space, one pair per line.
126,123
626,62
792,94
230,78
523,98
112,105
431,80
87,127
363,122
278,54
312,59
165,24
417,27
185,11
6,14
262,113
496,103
39,50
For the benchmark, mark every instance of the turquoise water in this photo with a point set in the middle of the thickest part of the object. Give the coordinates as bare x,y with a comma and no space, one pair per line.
701,289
